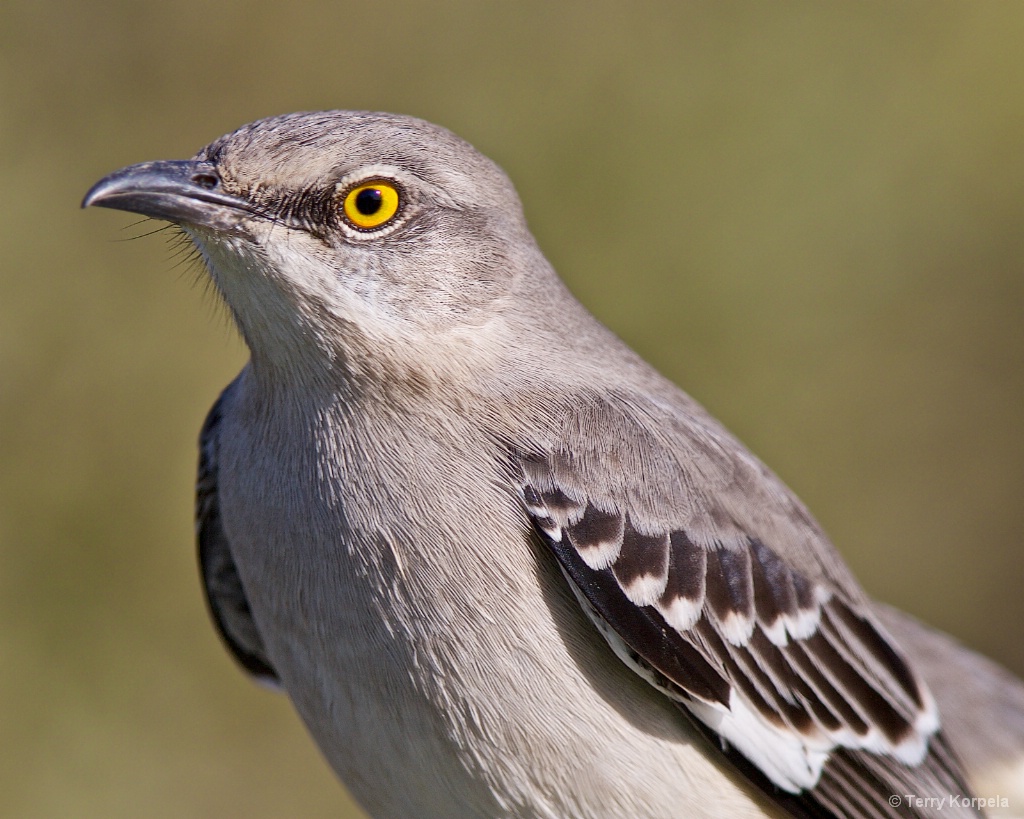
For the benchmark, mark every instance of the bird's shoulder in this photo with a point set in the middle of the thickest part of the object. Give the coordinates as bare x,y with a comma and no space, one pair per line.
662,460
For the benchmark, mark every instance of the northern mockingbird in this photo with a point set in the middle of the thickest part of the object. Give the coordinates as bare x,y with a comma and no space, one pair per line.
500,565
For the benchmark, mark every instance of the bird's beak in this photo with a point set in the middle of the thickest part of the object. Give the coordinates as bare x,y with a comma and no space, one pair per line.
187,192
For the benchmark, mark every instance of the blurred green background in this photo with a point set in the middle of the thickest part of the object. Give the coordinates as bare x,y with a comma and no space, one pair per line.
809,215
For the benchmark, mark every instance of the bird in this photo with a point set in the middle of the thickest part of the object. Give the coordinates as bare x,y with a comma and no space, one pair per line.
499,564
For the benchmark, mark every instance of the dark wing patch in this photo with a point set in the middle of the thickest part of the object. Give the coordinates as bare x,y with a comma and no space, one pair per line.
597,536
225,595
664,652
641,568
791,674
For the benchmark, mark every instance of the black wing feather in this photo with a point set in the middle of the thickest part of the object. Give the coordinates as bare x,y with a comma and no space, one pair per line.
225,594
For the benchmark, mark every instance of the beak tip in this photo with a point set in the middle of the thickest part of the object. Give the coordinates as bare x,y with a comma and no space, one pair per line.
98,192
89,197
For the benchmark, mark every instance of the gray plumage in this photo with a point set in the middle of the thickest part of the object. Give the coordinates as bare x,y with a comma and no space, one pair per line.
500,565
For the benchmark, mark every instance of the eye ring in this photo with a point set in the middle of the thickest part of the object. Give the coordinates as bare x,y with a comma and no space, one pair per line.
371,205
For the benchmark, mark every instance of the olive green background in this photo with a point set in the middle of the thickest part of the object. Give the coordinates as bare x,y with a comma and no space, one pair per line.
809,215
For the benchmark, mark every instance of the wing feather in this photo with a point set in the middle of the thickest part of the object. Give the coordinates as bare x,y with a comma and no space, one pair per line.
225,594
781,660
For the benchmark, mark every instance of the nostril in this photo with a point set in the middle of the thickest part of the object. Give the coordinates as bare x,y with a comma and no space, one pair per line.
206,180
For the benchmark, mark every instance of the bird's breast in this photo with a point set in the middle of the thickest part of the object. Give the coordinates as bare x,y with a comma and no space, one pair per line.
352,565
426,639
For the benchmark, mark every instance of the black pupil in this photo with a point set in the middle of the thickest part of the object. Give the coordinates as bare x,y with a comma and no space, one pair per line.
368,201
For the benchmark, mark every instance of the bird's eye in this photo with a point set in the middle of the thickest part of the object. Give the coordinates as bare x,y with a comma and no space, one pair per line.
371,205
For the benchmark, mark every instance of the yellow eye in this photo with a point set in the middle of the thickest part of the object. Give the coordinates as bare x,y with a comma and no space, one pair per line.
371,205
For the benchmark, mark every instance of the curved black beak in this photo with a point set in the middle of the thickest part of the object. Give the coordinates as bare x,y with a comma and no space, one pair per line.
187,192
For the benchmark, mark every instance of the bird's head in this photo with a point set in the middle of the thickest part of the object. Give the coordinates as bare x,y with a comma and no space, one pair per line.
337,233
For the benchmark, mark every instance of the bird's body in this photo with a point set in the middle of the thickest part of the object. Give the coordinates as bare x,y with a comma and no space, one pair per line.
461,673
500,565
454,650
